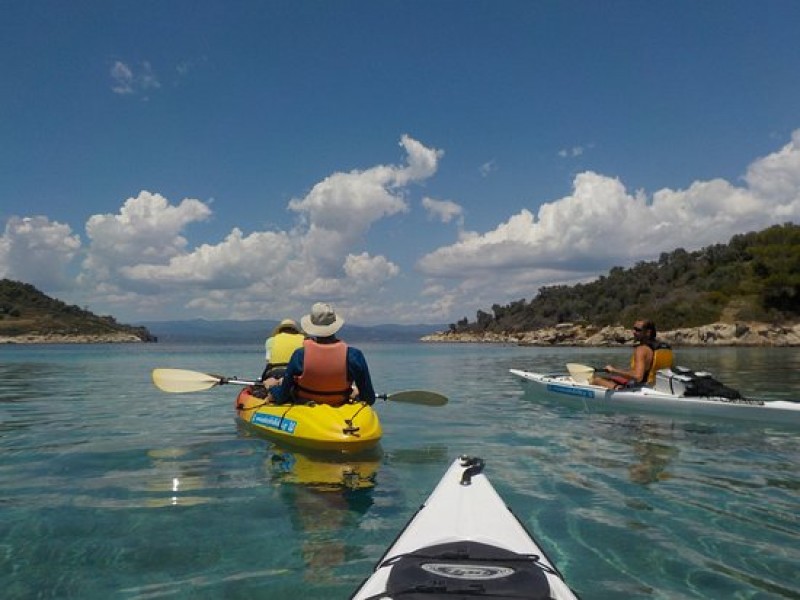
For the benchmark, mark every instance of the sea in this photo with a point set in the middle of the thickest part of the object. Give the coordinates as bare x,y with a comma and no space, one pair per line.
111,488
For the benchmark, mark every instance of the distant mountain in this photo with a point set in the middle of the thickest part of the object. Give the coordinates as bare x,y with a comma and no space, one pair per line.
256,331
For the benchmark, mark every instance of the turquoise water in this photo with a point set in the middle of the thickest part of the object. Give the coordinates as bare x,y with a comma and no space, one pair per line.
110,488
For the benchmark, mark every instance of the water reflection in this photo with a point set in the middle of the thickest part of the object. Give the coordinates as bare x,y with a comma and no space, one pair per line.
652,461
324,472
325,494
651,445
177,478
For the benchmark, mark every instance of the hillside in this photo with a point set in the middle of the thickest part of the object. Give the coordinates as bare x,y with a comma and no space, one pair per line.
25,312
754,278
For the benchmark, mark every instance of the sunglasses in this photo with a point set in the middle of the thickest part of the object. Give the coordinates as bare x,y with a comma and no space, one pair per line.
639,329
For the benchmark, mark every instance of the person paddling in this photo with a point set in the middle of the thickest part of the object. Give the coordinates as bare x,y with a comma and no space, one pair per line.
279,346
649,355
325,369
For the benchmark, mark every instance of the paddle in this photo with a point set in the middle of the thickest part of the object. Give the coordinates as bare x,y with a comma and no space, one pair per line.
421,397
179,381
582,373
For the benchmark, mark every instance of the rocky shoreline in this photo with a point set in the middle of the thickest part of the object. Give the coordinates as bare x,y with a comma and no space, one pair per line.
567,334
57,338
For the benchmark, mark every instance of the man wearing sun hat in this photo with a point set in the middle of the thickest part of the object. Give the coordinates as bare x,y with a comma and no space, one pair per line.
284,340
325,368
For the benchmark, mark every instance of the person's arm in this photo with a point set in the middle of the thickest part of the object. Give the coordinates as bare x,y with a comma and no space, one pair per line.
641,365
281,393
626,373
359,373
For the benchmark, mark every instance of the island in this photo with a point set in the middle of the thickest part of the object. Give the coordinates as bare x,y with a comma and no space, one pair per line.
28,316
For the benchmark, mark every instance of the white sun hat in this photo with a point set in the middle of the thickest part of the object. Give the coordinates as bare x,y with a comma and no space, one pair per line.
322,322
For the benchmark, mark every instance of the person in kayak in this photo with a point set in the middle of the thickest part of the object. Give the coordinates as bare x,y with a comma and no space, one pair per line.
284,340
325,370
649,355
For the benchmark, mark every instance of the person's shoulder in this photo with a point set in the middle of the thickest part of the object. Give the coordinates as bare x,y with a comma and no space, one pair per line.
354,350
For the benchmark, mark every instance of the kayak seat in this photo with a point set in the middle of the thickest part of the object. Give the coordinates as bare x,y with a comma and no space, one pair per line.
466,569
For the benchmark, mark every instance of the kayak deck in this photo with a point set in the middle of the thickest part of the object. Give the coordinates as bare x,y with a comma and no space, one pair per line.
651,400
464,542
352,427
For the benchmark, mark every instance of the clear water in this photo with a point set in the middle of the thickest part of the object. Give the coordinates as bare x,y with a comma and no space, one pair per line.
110,488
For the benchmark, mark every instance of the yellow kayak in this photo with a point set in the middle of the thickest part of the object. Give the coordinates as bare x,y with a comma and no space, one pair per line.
352,427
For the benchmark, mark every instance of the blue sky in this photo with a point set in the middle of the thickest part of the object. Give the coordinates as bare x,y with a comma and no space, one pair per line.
409,162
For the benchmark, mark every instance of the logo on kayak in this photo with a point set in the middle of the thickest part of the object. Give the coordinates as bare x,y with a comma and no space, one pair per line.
274,422
470,572
570,390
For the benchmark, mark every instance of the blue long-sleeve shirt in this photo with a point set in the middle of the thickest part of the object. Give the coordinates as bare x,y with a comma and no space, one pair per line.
357,372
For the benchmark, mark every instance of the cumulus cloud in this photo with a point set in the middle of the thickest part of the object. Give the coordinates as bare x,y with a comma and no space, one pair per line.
141,252
602,224
342,207
371,270
235,263
776,178
37,251
147,230
442,210
140,255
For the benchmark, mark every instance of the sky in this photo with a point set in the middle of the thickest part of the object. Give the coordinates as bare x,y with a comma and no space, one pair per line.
409,162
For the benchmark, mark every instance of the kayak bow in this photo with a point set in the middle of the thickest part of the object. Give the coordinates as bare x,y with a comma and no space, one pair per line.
464,542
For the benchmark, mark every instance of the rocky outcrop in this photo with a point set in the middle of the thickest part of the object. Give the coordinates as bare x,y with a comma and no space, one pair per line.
55,338
568,334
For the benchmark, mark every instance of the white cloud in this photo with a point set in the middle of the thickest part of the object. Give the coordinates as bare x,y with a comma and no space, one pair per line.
443,210
139,256
122,77
233,264
488,168
371,270
127,82
342,207
776,178
601,224
147,230
37,251
142,248
575,151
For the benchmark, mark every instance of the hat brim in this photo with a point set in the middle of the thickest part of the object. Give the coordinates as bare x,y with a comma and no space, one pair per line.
286,324
321,330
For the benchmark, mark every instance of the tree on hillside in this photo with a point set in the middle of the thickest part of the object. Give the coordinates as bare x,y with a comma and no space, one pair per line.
758,273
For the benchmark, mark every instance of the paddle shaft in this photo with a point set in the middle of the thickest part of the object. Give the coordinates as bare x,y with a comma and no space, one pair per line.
182,381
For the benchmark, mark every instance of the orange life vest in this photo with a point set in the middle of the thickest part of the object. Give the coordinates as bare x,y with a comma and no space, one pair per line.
324,378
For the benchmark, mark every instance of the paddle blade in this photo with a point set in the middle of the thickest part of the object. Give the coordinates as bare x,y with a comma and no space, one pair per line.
180,380
423,397
580,373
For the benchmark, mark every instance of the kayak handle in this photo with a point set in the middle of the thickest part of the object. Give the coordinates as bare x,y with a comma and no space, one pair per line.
472,466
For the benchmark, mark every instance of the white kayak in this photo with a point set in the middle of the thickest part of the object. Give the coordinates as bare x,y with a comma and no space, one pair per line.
659,401
464,542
